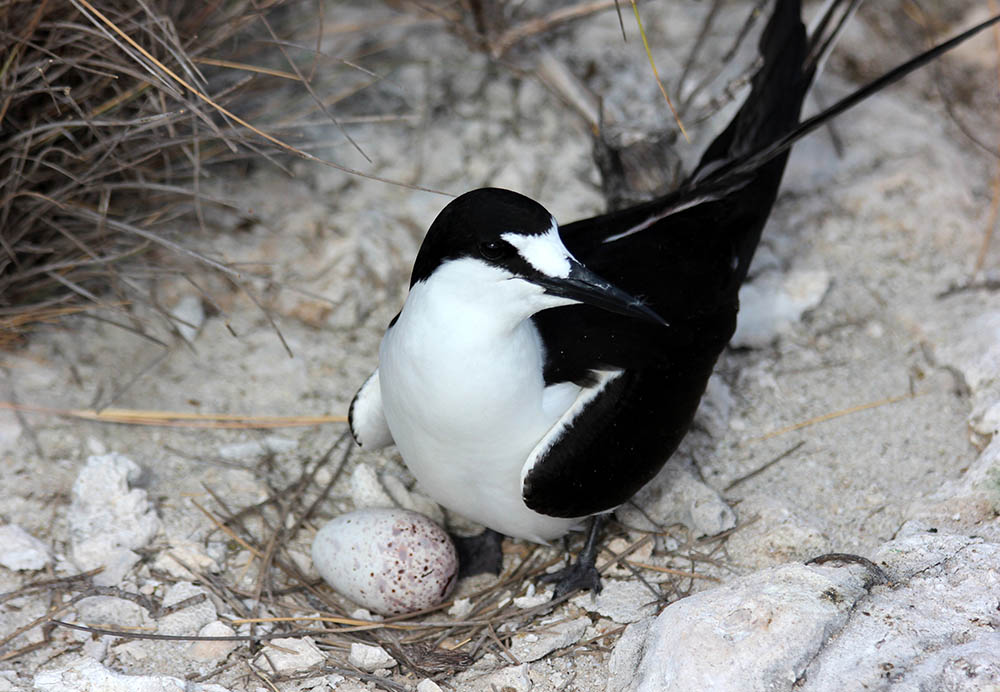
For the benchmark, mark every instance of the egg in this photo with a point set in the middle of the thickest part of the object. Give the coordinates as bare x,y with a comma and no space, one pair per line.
391,561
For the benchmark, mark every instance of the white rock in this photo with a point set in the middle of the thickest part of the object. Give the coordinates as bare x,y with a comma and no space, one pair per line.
370,658
533,598
460,608
189,315
988,422
320,683
755,633
367,490
428,685
544,639
87,675
188,619
207,650
302,654
815,627
365,614
509,679
387,560
19,550
970,667
8,681
109,609
982,479
107,519
97,649
622,601
627,656
182,554
136,652
934,629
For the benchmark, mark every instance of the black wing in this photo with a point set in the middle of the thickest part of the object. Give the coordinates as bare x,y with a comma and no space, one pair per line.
686,254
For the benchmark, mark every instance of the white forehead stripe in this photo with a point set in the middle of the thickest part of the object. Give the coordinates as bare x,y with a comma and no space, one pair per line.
545,252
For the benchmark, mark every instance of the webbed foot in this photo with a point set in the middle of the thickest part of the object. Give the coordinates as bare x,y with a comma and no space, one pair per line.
581,574
577,576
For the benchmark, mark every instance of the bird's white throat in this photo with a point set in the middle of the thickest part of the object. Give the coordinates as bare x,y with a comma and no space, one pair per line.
463,392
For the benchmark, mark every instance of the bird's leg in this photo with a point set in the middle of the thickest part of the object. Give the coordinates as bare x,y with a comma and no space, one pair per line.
479,554
583,573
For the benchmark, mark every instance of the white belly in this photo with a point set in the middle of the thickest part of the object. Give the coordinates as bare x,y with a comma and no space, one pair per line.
466,407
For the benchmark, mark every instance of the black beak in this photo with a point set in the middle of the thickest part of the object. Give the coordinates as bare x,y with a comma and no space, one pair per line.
588,288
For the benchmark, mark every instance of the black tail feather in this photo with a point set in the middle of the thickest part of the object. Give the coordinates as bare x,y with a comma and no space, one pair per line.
753,161
822,38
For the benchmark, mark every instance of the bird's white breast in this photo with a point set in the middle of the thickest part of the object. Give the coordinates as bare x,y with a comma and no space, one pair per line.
463,393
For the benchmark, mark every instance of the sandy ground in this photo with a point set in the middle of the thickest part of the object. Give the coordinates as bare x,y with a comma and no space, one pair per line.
872,237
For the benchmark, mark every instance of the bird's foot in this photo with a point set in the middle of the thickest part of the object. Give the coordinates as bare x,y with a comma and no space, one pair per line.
479,554
581,575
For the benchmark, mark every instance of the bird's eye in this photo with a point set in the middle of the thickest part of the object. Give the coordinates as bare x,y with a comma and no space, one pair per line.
493,249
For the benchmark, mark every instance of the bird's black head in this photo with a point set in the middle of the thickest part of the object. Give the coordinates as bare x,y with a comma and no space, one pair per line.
507,231
472,225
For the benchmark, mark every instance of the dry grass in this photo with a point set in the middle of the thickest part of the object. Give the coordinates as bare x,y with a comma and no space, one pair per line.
89,126
110,115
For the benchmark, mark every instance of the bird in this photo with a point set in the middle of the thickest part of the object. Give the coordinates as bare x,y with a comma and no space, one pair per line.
538,374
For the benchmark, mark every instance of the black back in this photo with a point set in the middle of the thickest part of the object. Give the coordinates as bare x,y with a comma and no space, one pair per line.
688,266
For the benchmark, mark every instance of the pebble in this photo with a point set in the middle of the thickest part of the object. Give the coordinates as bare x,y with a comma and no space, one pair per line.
390,561
533,598
21,550
294,655
207,650
189,618
108,519
367,489
460,608
181,555
531,646
87,675
370,658
189,315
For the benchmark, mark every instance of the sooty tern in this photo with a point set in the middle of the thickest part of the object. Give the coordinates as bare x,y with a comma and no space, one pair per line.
537,374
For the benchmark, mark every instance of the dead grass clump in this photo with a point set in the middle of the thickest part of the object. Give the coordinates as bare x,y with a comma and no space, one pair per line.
108,113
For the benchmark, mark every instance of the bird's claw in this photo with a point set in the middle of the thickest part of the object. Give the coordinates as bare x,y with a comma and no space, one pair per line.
577,576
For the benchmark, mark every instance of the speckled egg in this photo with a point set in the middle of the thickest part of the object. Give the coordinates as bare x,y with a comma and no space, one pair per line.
390,561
